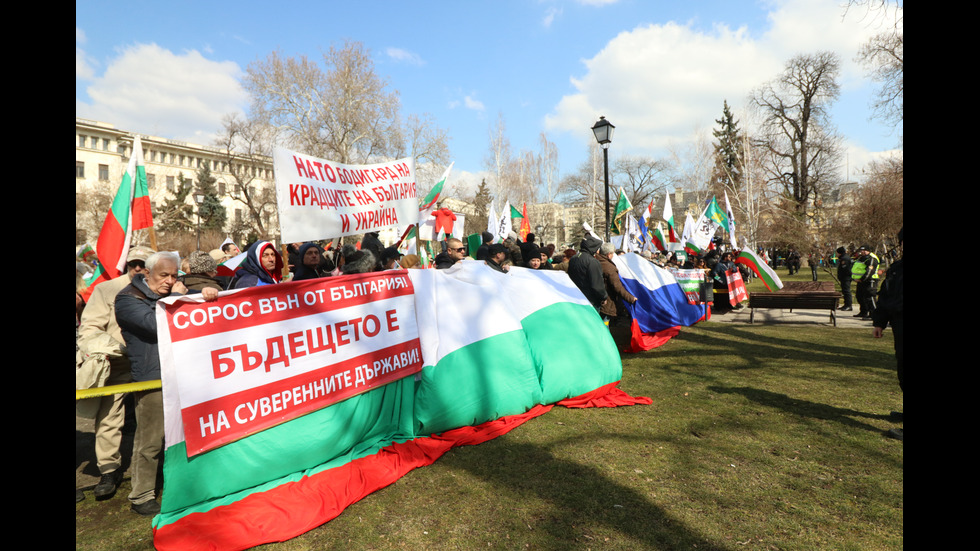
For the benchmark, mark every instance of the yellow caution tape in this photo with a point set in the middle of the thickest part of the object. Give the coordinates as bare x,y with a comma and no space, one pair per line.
117,389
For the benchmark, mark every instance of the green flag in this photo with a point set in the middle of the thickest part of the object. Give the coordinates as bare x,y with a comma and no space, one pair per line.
715,213
622,207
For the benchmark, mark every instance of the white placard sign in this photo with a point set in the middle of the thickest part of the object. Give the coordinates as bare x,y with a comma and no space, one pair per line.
321,199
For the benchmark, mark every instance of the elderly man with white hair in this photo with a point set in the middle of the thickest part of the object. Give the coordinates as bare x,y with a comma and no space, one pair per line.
135,308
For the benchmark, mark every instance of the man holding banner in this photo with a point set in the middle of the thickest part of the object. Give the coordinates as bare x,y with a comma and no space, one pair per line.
135,309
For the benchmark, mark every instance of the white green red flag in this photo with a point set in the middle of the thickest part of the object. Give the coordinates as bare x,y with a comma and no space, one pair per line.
657,238
130,211
761,269
669,218
269,463
430,199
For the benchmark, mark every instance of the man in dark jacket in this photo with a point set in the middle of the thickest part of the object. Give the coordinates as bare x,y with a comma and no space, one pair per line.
614,310
844,263
455,251
586,273
135,309
483,250
617,297
496,256
891,310
528,249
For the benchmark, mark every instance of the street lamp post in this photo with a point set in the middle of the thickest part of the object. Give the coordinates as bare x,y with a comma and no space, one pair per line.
603,131
199,199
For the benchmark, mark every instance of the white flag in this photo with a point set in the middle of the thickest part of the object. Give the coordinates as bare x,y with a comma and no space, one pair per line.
504,225
493,223
731,223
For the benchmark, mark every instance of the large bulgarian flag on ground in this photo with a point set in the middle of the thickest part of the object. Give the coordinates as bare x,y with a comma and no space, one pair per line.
761,269
484,366
130,211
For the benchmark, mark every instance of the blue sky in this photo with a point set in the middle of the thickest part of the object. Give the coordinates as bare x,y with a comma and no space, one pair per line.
659,70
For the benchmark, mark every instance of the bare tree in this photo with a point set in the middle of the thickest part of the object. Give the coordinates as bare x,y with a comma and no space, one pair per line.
549,169
499,159
692,169
884,58
428,144
801,149
342,111
875,211
247,147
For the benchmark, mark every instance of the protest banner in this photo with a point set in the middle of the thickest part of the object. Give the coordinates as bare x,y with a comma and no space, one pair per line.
265,355
320,199
690,282
478,380
736,287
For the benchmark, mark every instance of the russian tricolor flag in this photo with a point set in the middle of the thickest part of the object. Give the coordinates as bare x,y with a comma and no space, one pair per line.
661,308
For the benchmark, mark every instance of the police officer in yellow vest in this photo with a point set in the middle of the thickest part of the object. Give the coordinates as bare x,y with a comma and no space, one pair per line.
864,273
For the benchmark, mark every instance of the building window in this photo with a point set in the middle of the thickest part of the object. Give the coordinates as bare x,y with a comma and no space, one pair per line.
170,184
79,169
151,179
105,144
103,172
81,141
221,189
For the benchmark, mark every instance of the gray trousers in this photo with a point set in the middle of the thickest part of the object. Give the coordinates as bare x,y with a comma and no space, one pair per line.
147,445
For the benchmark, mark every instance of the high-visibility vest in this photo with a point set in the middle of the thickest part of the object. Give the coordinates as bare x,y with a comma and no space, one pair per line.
860,267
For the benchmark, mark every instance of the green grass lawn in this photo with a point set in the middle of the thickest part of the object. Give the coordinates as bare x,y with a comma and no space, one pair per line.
758,437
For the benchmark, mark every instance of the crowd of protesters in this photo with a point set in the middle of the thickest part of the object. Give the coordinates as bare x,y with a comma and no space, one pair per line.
119,314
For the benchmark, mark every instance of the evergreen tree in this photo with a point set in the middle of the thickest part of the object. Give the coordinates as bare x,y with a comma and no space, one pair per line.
176,214
727,174
478,222
213,214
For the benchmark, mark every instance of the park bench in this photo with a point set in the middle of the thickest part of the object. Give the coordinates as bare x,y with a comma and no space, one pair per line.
800,296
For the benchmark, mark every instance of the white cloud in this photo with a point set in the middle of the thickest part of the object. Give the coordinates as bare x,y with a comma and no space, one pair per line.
405,56
84,69
471,103
658,83
550,15
149,89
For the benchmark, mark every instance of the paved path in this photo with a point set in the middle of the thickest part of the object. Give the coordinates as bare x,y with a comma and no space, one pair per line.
783,316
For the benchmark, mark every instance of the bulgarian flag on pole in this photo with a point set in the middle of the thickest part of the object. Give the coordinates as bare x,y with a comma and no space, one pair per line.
436,190
130,211
669,218
658,239
761,269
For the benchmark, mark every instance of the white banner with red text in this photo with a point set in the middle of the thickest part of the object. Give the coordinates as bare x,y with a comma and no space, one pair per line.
261,356
321,199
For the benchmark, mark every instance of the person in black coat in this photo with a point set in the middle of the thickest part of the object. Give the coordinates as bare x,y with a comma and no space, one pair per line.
586,273
483,250
890,310
844,263
310,263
